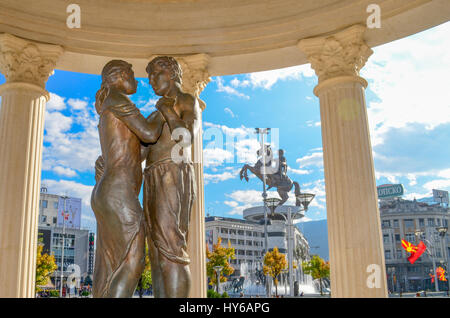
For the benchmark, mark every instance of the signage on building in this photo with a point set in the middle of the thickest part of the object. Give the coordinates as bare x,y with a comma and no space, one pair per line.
440,196
45,236
389,191
69,212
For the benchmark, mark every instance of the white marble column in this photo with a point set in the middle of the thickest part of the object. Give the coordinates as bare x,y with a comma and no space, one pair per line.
26,66
354,230
195,79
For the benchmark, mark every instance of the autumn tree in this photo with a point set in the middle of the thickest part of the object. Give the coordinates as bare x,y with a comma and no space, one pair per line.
317,268
45,266
145,281
219,256
274,263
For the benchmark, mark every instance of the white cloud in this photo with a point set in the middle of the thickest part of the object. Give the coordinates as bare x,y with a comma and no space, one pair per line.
64,171
267,79
229,111
440,184
237,83
410,78
233,204
221,87
77,104
215,178
298,171
216,156
56,102
315,159
312,123
71,150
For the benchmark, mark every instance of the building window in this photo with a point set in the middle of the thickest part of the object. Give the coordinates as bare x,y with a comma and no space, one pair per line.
397,237
43,218
55,205
396,224
445,222
410,237
240,232
387,254
430,222
409,223
386,224
249,233
54,220
399,253
438,222
421,222
44,204
386,238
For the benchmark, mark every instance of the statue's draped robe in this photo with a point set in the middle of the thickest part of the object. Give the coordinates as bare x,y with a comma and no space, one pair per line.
120,219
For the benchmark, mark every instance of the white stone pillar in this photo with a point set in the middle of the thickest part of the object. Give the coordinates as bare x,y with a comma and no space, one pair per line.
26,66
354,230
195,79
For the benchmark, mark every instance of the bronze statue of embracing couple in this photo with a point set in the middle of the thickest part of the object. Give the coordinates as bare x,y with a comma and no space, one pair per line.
127,139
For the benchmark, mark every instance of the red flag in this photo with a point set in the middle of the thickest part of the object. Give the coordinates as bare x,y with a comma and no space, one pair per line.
415,255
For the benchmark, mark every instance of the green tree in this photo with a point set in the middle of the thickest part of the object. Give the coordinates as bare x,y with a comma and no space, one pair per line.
274,263
317,268
45,266
219,256
145,281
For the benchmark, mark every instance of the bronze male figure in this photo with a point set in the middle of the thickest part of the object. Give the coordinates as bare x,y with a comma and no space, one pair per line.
169,184
120,220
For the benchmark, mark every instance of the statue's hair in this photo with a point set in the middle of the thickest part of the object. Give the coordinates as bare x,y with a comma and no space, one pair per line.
110,74
167,62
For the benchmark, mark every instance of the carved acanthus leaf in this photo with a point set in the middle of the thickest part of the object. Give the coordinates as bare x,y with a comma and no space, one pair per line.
338,55
23,61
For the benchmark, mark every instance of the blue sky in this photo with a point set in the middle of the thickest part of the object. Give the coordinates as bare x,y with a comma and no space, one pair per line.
408,102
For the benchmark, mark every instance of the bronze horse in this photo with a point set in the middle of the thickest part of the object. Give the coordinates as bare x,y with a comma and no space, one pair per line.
280,181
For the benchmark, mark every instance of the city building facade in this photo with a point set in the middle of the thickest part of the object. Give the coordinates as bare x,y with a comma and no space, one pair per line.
58,219
413,221
247,238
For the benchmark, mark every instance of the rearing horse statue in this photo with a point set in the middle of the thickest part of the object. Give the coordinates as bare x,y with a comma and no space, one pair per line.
277,178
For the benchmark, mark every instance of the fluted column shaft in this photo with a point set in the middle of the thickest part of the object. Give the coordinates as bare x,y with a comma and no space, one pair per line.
26,67
195,79
354,231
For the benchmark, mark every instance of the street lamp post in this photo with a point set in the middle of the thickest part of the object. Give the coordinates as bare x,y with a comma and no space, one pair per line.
218,269
442,230
262,132
63,247
419,235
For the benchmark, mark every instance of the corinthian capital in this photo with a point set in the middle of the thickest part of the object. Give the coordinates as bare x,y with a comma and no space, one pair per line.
195,74
341,54
25,61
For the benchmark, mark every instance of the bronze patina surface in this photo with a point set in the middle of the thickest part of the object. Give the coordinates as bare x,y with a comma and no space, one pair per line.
120,219
126,139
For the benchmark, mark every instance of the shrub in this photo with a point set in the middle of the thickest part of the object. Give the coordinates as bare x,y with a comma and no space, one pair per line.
54,293
211,293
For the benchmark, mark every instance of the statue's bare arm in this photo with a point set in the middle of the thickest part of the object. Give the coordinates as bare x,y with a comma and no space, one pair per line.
147,131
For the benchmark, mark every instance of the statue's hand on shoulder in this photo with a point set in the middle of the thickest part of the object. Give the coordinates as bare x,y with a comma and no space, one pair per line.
164,103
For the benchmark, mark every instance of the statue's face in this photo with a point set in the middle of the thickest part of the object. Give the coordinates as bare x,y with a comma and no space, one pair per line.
160,79
129,83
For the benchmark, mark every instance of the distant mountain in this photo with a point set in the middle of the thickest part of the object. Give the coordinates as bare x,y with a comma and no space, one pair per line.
316,232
